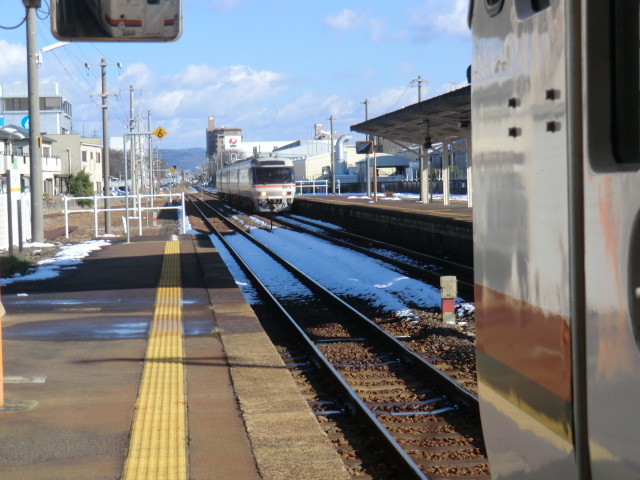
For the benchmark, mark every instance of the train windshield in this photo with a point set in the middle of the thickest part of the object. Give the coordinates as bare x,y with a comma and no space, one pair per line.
267,175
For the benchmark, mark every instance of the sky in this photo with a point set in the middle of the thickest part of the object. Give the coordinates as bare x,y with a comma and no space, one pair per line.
272,68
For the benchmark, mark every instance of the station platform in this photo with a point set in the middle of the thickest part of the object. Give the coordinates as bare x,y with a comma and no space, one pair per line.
456,210
431,228
146,362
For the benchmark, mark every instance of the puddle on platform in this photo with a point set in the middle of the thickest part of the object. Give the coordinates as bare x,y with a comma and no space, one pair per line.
197,326
79,329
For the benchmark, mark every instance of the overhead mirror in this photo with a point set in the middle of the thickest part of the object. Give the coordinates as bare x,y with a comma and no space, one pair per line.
116,20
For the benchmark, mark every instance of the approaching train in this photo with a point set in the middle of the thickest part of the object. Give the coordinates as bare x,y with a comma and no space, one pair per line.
265,184
556,158
138,18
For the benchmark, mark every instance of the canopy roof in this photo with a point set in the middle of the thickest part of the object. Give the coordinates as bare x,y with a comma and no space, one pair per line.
446,116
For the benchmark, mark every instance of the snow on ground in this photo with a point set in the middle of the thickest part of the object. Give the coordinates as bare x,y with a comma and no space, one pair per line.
185,224
67,258
409,196
350,273
317,222
347,273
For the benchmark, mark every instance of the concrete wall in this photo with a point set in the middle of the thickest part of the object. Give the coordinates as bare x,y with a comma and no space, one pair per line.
423,233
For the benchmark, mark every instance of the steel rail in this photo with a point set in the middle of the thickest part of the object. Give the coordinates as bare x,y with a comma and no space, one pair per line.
459,269
431,276
455,391
405,463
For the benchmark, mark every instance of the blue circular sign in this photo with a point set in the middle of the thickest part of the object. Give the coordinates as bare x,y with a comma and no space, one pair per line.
25,122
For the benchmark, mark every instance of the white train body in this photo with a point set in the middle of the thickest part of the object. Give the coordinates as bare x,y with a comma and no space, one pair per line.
138,18
264,184
555,107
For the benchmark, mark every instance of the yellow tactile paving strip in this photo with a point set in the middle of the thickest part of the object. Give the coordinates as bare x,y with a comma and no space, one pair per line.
158,446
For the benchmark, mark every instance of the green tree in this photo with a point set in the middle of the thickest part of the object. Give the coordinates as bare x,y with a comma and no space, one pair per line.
80,185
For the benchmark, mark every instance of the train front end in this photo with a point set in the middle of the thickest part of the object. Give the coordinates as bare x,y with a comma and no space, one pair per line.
273,185
130,19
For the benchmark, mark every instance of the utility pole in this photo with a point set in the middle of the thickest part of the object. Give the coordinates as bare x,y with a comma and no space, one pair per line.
132,122
368,166
106,177
105,150
35,141
333,158
419,80
151,187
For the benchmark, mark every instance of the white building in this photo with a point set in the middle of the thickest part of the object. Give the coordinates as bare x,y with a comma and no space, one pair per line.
55,109
15,150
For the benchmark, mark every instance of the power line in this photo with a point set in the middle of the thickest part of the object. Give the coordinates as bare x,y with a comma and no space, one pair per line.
400,98
16,26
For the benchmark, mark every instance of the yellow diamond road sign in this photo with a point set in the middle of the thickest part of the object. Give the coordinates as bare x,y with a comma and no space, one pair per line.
160,132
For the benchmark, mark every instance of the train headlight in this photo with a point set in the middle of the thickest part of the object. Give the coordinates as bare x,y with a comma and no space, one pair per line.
263,194
285,193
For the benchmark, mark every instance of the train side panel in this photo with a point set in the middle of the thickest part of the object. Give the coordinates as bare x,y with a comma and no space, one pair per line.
521,238
557,236
612,237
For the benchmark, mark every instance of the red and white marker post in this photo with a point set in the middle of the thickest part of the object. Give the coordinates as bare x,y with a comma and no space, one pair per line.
448,294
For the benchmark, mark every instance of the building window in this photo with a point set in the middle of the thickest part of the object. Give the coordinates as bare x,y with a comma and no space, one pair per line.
98,159
50,103
84,156
20,104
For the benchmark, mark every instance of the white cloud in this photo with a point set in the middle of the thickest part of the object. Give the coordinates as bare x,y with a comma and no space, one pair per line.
201,89
13,67
441,17
345,20
137,74
361,19
454,20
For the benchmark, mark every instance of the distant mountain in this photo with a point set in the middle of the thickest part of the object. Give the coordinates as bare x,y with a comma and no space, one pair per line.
187,158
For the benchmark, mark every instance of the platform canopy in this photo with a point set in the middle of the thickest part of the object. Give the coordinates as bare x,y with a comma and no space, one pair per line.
444,117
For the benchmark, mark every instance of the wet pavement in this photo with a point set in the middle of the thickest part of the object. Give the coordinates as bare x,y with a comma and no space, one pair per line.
74,349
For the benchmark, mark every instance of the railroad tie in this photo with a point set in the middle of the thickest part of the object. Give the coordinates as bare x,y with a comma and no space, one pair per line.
158,443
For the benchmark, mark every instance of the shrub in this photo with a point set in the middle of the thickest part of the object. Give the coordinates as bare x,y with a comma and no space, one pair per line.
80,185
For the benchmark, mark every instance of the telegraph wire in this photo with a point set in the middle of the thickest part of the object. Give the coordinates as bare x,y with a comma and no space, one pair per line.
16,26
399,98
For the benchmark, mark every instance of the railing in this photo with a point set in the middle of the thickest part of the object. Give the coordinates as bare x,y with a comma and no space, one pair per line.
312,185
136,205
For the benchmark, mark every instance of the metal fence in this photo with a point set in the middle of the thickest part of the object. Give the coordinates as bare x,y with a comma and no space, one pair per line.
315,187
133,208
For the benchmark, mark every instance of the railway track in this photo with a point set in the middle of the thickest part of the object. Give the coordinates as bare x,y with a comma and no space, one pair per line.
428,424
449,348
419,265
